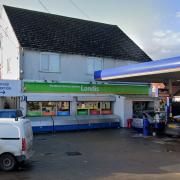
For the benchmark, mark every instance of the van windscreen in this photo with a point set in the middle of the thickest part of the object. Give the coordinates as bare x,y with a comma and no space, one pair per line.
7,114
10,114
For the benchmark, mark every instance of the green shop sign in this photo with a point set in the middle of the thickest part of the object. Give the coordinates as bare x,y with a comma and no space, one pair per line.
44,87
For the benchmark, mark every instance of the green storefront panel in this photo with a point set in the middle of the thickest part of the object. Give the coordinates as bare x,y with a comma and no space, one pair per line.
44,87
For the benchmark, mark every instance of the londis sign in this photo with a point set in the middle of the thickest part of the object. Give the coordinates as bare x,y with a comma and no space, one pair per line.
89,89
44,87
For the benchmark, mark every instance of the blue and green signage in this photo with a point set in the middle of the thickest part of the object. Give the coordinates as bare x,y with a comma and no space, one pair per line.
46,87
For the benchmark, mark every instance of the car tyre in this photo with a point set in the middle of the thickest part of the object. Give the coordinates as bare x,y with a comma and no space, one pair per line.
7,162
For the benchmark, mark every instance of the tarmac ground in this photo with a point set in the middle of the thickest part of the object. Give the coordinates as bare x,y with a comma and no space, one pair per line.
101,154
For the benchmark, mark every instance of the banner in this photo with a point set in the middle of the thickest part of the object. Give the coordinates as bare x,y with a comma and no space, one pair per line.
44,87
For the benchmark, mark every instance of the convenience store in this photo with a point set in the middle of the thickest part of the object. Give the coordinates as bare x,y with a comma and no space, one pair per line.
166,71
69,106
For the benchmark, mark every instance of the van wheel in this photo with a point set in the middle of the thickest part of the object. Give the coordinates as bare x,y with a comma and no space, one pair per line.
7,162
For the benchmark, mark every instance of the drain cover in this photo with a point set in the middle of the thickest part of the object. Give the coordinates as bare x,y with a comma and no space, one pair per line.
48,154
74,153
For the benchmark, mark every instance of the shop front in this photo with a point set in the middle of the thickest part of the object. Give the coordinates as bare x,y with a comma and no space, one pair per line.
72,106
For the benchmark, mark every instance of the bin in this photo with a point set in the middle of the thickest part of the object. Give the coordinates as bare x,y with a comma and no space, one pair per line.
129,122
146,127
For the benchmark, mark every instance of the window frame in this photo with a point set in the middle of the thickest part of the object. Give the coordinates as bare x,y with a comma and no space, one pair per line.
8,65
94,62
49,54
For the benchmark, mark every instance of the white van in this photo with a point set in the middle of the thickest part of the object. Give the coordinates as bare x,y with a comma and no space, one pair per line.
16,139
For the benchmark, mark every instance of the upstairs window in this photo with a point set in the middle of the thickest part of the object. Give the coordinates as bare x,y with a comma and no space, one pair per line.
50,62
94,64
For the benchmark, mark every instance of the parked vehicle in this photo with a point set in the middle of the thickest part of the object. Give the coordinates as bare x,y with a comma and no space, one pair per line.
138,119
173,127
16,139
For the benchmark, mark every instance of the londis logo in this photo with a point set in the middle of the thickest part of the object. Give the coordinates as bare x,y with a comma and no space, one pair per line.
89,89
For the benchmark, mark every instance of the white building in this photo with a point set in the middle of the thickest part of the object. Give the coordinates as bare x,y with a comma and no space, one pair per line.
50,49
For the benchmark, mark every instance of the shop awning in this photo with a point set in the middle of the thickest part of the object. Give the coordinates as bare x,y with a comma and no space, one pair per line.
154,71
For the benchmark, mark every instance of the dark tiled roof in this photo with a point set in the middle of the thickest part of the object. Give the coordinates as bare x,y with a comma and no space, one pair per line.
54,33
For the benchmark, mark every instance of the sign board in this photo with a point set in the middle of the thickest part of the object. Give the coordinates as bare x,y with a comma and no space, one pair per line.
10,88
44,87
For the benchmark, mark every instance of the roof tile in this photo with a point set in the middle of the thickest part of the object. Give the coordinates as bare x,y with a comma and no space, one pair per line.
54,33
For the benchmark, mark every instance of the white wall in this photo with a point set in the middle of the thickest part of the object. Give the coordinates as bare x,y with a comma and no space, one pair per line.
128,113
26,64
9,49
123,107
124,63
119,109
73,67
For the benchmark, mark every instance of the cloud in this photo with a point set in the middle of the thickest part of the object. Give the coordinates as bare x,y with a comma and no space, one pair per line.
167,38
163,44
161,34
178,14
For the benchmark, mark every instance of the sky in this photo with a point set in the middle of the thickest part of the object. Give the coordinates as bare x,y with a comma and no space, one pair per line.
154,25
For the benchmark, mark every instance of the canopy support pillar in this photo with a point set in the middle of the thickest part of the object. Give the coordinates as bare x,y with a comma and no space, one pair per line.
170,97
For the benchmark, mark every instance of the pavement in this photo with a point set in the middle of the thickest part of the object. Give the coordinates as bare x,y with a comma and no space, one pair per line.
108,154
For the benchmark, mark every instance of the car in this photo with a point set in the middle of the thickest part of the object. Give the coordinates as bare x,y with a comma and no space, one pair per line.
138,119
16,139
173,127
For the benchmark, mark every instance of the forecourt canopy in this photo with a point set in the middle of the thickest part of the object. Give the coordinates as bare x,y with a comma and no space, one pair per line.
160,71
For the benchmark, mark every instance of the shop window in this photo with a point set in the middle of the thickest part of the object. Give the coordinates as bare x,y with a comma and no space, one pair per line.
94,108
88,108
34,109
140,106
94,64
63,109
82,108
50,62
106,108
48,108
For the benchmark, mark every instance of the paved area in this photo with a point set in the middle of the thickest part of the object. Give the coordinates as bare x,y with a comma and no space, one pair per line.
101,154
